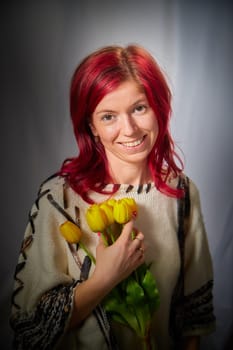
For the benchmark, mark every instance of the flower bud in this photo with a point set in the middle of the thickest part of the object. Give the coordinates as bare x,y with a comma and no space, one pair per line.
111,202
96,218
108,210
132,204
70,232
122,212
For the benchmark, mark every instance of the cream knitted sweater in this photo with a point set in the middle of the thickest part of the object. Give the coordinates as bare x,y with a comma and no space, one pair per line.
47,271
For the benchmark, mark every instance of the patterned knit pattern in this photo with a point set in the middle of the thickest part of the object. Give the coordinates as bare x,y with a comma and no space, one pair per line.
42,328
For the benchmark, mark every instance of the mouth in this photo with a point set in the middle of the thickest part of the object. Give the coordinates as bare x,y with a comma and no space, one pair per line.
133,144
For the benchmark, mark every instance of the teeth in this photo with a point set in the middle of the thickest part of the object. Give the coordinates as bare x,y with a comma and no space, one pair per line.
133,144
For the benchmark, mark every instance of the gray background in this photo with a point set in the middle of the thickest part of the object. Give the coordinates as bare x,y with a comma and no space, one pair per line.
41,44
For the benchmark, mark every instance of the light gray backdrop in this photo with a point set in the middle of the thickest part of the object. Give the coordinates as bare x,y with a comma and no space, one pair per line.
41,44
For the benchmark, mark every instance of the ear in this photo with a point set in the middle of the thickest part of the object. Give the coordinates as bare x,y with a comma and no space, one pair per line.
93,130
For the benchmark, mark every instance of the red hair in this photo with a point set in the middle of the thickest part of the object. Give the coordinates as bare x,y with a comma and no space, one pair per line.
97,75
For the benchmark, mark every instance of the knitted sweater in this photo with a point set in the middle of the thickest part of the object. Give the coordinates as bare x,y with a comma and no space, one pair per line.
49,268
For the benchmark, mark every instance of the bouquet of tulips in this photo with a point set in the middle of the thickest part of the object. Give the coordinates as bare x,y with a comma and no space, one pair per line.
132,302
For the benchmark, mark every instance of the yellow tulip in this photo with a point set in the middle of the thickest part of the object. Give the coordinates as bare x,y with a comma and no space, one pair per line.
96,218
108,209
70,232
111,202
132,204
122,212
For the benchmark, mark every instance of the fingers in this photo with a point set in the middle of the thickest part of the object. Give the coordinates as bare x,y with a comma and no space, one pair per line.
129,246
121,258
139,256
137,250
139,237
138,242
127,231
132,238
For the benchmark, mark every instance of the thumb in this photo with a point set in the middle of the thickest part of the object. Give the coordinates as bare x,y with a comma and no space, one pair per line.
127,230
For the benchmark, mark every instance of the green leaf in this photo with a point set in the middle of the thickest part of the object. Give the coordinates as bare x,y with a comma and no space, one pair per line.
140,272
125,315
134,300
111,304
134,292
118,318
129,318
150,287
143,315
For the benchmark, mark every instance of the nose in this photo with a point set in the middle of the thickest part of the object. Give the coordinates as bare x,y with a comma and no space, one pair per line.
129,125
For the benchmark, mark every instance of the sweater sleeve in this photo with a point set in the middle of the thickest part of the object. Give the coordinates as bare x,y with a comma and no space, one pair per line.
198,273
43,294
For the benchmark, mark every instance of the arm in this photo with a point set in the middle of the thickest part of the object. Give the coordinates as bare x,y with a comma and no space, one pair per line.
43,291
46,299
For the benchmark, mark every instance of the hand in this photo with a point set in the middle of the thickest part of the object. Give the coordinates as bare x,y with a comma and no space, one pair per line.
116,262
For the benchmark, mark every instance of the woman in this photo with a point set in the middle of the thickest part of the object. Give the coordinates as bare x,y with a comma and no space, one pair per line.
120,106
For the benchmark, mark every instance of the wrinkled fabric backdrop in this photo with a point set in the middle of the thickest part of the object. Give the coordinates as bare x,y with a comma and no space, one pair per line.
42,43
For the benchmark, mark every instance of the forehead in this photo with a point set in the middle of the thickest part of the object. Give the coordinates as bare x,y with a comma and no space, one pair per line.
126,94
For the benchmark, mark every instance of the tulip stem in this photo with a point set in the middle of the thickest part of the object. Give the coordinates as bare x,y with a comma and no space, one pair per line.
110,232
104,239
133,235
87,252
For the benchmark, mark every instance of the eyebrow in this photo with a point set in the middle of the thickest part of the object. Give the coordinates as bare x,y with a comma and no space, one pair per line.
105,111
144,99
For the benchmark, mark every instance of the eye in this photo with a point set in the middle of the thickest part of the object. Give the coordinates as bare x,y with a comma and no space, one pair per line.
140,109
107,117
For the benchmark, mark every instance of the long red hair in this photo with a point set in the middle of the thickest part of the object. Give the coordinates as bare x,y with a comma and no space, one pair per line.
97,75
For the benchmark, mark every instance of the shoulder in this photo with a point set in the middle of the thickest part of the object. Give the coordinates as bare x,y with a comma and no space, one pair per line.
51,187
57,191
186,182
192,195
54,183
193,190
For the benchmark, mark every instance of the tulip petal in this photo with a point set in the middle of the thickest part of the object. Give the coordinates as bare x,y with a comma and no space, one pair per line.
70,232
96,218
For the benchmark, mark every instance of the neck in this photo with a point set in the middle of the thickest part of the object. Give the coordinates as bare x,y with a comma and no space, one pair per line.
132,174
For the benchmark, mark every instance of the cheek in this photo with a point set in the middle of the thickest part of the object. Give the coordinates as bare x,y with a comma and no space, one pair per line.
156,130
152,125
108,134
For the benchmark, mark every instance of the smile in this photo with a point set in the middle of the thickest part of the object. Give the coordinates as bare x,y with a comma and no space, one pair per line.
134,143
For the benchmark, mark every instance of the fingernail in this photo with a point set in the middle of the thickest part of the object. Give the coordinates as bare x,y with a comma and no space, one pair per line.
99,233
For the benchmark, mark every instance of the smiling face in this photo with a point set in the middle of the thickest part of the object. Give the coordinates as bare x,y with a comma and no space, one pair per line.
126,126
